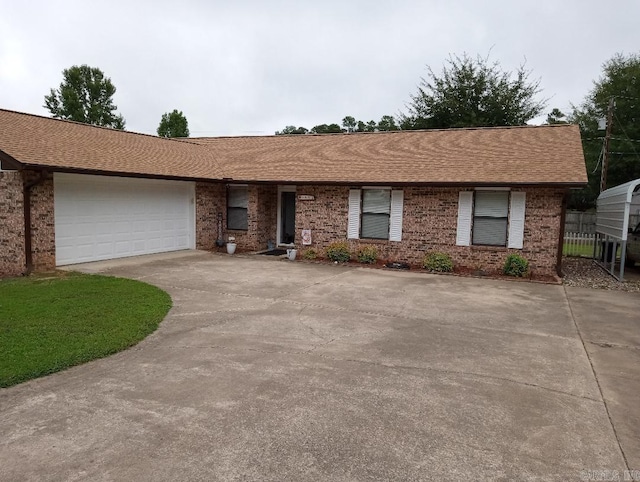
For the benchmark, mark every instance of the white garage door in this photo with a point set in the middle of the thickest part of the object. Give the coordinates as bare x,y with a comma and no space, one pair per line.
104,217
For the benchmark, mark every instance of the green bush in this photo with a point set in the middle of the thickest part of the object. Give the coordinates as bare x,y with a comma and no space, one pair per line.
440,262
368,254
310,254
515,265
339,252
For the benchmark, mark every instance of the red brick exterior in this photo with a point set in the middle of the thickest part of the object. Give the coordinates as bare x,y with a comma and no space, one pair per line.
12,256
430,223
210,200
12,262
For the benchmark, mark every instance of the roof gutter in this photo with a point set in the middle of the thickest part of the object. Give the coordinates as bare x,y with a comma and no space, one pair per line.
26,197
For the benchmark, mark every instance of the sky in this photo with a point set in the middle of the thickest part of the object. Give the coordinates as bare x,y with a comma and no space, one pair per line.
253,67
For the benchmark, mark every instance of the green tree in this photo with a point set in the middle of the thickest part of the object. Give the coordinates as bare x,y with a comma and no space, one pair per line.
349,124
326,129
472,93
292,130
387,123
620,81
173,124
85,95
556,116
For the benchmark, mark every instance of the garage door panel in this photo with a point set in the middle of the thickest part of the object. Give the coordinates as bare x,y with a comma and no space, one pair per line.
99,217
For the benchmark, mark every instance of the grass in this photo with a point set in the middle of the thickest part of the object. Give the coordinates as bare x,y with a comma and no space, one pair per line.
577,250
49,323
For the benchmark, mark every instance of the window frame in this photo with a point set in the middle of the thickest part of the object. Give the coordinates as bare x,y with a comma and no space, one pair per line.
506,218
245,188
363,213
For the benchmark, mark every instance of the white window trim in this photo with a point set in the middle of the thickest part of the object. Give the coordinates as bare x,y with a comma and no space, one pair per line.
396,209
515,221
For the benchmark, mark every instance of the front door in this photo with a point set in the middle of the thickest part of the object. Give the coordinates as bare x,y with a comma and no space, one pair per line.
287,222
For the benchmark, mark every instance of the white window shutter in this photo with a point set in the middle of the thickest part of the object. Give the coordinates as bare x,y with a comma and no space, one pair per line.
353,227
395,222
465,210
516,220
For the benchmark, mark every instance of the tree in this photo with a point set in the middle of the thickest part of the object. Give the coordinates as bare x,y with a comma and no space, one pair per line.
472,93
173,124
85,95
326,129
292,130
620,81
556,116
387,123
349,123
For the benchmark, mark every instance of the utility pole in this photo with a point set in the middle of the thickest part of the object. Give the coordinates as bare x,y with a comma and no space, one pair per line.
607,139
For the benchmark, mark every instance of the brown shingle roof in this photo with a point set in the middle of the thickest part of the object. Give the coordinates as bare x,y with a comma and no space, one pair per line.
41,141
511,155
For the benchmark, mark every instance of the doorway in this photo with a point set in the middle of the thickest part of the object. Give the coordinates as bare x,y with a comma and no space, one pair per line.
286,216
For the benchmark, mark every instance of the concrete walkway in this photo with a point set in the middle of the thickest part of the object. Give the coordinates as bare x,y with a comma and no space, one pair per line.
267,369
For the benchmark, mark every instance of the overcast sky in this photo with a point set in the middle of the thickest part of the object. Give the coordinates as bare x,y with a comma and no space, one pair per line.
252,67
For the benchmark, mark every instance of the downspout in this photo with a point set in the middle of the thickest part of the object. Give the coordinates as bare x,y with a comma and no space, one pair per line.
563,216
26,197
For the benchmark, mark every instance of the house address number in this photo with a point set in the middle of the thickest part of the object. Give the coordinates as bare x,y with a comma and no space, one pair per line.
306,197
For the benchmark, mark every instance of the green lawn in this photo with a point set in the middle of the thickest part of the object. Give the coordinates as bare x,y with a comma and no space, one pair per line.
49,323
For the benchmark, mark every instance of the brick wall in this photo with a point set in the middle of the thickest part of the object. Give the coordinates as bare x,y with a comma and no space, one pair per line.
12,258
261,211
12,261
43,237
210,200
430,223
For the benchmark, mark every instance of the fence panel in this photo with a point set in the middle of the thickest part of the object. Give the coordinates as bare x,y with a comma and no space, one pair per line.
578,244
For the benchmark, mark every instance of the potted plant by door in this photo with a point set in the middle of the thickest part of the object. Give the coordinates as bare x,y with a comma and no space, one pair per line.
231,245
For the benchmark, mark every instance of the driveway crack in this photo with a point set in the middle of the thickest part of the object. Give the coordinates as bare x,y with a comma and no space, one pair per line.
595,375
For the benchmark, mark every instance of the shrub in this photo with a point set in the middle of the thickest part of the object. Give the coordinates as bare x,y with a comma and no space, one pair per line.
339,252
310,254
515,265
440,262
368,254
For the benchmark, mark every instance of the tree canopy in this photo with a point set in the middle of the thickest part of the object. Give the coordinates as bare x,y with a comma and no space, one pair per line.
85,95
473,93
173,124
349,124
620,81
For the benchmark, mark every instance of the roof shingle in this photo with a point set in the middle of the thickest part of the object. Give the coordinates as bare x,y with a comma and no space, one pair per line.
510,155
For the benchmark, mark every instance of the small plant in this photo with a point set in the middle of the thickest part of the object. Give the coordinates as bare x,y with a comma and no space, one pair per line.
516,265
439,262
368,254
310,254
339,252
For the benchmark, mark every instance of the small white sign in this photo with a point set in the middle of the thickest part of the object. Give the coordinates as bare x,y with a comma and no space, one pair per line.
306,237
306,197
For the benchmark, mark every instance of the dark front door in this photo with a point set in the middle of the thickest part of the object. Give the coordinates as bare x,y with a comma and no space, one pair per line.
287,217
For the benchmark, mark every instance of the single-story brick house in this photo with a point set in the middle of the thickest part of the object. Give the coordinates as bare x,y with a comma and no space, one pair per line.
73,193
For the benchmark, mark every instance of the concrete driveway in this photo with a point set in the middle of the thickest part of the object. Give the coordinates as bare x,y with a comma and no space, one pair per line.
267,369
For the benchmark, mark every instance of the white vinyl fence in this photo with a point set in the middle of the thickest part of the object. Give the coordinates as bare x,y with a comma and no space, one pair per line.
578,244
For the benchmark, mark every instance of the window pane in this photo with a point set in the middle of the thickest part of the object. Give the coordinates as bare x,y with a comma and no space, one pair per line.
492,231
237,218
375,226
376,201
492,204
238,197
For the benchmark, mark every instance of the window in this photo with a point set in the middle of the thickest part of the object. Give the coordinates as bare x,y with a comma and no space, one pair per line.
237,202
490,218
376,209
375,213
